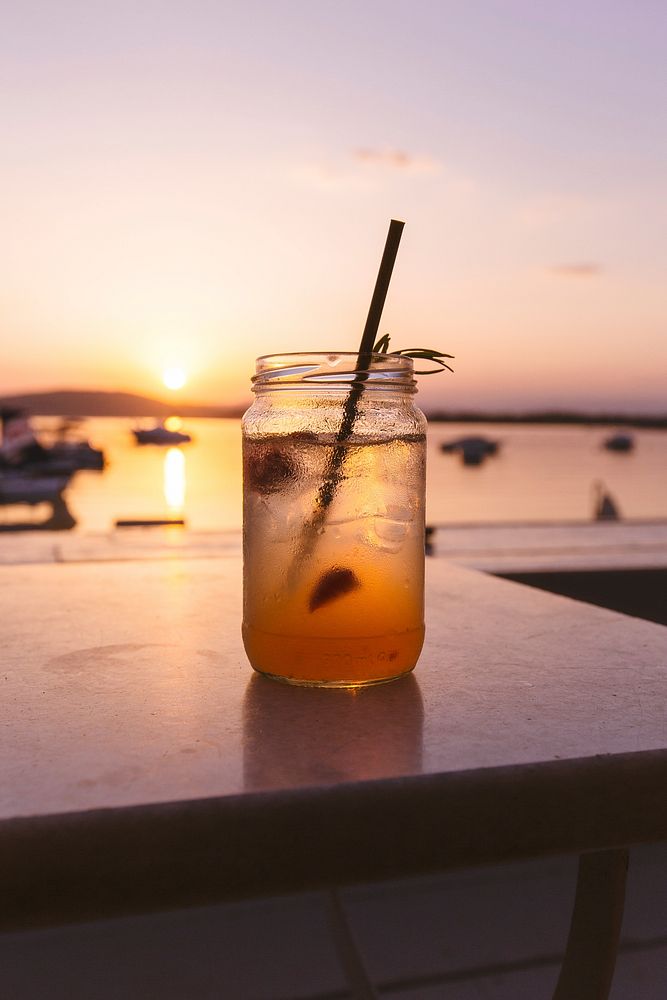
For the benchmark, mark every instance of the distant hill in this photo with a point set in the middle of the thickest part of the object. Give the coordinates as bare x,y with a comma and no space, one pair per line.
82,403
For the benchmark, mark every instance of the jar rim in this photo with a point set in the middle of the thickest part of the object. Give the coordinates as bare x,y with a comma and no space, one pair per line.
336,369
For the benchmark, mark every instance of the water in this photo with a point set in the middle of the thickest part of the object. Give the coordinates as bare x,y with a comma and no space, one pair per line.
542,473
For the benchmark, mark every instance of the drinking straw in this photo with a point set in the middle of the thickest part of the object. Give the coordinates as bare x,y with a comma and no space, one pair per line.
380,292
369,337
331,479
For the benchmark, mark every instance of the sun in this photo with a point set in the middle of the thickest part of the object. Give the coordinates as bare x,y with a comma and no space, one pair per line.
174,378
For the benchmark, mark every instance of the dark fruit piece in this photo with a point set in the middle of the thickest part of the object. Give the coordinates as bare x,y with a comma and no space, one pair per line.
334,583
269,470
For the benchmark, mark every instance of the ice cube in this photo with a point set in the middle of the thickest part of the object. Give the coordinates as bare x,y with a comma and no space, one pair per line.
388,534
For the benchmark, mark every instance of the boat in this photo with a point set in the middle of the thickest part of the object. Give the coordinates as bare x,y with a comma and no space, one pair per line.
16,487
473,449
78,452
76,455
619,442
22,449
160,434
59,519
605,507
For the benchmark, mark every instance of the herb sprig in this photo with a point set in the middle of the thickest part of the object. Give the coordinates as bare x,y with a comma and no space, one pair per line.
421,353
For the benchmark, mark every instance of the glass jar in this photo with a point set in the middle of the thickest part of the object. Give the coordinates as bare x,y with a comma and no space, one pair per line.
333,519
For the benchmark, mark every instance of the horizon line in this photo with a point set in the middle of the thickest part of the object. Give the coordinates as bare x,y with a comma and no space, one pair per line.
497,414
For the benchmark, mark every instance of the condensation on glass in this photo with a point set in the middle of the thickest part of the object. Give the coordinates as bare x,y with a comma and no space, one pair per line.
333,519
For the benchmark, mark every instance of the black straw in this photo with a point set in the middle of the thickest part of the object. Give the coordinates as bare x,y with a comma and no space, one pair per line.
380,293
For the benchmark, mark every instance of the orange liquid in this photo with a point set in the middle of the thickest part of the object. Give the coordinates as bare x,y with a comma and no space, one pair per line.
299,626
337,662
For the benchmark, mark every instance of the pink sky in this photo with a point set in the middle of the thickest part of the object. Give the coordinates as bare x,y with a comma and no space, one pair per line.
196,184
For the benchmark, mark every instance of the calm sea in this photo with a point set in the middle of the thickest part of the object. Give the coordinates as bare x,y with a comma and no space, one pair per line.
541,473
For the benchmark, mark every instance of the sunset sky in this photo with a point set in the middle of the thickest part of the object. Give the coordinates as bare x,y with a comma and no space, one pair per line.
186,185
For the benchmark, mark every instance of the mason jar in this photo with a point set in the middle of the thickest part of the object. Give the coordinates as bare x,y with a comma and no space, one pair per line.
333,519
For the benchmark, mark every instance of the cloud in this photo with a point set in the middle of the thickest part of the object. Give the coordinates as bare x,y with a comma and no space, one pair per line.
583,269
363,169
396,159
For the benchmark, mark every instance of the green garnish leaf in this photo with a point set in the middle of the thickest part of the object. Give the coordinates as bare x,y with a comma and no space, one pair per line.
421,353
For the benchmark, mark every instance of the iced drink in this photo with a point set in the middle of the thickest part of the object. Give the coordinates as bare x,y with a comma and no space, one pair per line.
335,596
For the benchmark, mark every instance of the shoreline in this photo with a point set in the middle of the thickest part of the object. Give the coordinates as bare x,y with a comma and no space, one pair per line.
639,421
82,404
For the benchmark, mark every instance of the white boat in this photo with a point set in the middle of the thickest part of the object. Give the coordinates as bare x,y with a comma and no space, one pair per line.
22,448
159,434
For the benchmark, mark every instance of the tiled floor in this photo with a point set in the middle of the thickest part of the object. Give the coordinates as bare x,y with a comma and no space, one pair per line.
493,934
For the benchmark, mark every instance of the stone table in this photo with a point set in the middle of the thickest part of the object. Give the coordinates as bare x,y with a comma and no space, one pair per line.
144,765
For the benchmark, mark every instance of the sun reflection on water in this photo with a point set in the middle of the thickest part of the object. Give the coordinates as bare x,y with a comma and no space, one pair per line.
174,480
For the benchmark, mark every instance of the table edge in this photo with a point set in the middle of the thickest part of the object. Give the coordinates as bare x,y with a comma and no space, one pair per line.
114,861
